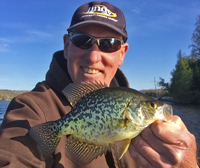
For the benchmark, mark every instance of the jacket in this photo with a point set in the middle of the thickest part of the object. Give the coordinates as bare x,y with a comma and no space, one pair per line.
46,103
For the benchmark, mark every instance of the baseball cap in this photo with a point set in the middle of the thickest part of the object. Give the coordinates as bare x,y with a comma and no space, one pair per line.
102,13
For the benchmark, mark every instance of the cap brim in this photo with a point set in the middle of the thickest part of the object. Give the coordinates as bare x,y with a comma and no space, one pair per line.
99,23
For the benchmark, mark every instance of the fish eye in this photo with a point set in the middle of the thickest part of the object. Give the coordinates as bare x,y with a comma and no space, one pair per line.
153,105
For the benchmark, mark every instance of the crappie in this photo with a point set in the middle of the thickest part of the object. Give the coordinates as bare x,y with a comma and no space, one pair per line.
102,118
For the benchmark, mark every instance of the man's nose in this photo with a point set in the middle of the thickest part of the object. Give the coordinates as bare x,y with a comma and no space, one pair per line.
94,54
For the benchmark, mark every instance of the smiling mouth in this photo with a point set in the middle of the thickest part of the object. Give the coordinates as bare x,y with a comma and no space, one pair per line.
90,71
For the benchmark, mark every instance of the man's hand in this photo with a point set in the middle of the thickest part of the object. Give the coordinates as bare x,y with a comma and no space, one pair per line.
165,145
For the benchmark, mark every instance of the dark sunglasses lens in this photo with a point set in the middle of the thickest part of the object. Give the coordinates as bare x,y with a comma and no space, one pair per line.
109,45
82,41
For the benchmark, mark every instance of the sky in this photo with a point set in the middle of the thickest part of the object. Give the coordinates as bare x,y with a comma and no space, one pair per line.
31,31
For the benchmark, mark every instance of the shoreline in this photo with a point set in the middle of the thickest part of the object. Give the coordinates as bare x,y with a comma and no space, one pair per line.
8,95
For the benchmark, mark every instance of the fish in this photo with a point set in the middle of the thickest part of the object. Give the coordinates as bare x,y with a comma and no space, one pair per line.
102,119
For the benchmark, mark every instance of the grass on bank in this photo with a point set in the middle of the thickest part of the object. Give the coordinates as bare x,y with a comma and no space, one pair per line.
155,93
9,94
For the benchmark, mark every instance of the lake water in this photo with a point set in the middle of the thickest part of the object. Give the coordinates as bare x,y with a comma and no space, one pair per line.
188,113
3,107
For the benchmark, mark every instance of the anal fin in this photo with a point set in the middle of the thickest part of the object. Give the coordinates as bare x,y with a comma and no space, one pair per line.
82,152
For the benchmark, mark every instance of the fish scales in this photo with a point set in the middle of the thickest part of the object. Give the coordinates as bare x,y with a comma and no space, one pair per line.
99,104
101,118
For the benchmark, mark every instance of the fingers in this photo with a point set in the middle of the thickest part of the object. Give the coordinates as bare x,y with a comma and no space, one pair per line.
163,149
164,144
177,120
146,156
137,157
140,150
170,132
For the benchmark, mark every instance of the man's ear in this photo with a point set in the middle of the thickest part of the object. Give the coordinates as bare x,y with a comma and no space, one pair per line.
66,44
124,49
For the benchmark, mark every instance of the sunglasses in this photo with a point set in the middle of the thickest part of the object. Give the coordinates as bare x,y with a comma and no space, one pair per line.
85,41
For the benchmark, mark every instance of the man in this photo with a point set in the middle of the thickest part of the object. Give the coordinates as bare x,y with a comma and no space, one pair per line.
93,50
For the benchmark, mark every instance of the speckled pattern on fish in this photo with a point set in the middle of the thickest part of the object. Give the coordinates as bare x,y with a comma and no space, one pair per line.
102,118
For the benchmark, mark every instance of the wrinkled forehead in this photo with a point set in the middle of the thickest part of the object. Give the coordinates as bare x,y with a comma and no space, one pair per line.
98,31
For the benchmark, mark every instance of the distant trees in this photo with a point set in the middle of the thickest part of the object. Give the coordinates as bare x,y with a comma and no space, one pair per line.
185,81
196,40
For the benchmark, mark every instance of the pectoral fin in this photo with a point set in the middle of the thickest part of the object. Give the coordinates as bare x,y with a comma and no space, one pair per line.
82,152
121,147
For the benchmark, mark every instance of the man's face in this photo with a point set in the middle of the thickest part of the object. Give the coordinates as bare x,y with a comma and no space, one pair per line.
93,65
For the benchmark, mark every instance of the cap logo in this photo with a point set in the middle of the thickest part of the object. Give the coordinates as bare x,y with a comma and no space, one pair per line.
100,10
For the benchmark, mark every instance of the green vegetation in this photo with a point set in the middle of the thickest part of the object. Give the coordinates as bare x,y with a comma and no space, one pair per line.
9,94
185,81
155,92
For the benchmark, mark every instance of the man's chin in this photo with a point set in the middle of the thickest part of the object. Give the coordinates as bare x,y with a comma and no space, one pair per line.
92,80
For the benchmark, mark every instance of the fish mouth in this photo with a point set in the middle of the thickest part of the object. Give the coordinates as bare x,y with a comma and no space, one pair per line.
168,111
165,112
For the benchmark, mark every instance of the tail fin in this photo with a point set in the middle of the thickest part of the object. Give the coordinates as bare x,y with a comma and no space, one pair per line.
47,137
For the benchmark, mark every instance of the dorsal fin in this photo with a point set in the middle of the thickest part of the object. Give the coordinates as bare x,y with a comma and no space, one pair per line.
75,91
82,152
